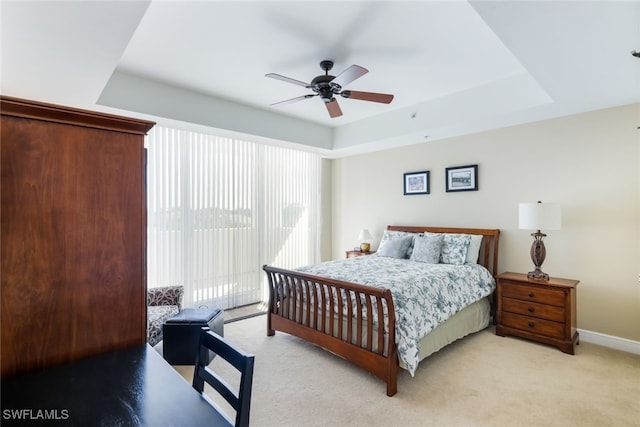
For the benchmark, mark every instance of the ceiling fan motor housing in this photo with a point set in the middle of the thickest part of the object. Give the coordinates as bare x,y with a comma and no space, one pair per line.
322,86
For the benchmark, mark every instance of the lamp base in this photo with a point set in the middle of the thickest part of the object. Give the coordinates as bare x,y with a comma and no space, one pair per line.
538,254
364,247
537,274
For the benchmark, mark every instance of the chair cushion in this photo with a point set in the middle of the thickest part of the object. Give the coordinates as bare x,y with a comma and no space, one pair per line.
156,316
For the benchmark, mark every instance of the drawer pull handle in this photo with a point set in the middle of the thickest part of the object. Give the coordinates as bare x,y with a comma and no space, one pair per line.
531,309
531,295
531,324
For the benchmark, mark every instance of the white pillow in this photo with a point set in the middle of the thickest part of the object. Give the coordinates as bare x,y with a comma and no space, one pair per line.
426,248
474,249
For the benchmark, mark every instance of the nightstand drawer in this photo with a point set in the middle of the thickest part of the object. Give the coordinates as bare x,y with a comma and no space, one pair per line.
527,308
533,325
533,294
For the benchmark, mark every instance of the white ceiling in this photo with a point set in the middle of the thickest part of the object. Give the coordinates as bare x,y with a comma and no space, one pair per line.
454,67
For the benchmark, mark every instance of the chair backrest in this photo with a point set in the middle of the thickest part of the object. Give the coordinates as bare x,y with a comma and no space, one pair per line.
165,295
240,400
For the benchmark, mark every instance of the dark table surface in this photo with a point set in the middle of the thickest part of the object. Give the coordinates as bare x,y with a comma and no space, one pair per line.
131,387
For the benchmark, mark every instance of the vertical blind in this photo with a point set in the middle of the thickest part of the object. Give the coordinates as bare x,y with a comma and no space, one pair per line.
219,208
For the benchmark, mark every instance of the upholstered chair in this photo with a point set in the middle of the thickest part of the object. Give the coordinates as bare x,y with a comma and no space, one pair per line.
162,303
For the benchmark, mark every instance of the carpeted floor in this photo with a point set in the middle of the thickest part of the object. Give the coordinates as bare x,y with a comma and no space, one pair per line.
245,312
482,380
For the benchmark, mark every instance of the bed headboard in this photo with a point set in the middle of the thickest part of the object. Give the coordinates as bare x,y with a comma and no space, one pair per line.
488,250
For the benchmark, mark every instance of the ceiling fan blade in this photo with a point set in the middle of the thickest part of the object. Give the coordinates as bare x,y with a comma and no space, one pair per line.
286,79
349,75
333,108
296,99
383,98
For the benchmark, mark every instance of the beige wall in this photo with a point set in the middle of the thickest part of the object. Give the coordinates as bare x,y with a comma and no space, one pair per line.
589,163
326,203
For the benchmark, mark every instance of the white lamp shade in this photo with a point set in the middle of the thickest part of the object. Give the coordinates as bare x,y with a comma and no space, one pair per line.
539,216
365,236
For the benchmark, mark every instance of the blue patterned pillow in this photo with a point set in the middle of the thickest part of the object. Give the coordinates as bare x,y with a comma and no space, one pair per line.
395,244
426,248
454,248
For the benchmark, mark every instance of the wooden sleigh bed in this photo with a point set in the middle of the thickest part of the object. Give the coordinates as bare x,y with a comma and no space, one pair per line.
358,322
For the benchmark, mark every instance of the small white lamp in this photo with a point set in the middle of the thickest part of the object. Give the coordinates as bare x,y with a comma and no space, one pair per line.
365,239
539,216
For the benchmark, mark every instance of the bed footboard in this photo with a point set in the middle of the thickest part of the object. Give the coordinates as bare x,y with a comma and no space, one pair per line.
354,321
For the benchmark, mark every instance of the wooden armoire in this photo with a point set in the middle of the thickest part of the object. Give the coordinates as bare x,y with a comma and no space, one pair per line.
73,235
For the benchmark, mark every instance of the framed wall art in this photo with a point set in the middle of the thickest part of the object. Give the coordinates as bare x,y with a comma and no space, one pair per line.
462,178
416,183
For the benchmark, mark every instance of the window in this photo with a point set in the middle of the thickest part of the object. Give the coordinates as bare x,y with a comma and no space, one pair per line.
219,208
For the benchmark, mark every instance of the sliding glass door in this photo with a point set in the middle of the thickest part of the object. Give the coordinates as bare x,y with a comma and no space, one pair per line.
219,208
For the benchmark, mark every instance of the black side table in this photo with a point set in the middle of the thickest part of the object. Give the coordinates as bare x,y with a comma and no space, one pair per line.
182,332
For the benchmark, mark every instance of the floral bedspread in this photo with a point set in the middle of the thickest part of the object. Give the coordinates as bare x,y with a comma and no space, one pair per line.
424,295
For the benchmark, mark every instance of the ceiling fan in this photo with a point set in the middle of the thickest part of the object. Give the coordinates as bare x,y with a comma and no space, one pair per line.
326,86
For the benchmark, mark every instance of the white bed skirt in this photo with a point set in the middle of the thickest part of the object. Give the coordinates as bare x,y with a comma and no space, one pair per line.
471,319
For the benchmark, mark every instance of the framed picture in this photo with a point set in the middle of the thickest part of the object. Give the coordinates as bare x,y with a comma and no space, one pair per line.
416,183
462,178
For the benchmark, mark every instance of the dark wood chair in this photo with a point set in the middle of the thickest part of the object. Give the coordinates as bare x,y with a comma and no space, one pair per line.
239,400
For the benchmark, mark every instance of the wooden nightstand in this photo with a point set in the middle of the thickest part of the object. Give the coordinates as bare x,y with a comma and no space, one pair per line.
356,253
543,311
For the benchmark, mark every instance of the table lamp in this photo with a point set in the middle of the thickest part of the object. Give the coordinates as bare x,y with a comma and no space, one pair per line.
365,239
539,216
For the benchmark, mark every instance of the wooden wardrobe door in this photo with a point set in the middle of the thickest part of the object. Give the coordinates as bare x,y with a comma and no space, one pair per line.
73,241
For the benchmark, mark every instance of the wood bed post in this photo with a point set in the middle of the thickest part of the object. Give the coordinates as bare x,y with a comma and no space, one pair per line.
393,364
272,302
392,381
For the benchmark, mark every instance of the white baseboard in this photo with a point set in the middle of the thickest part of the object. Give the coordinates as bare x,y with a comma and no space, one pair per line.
610,341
